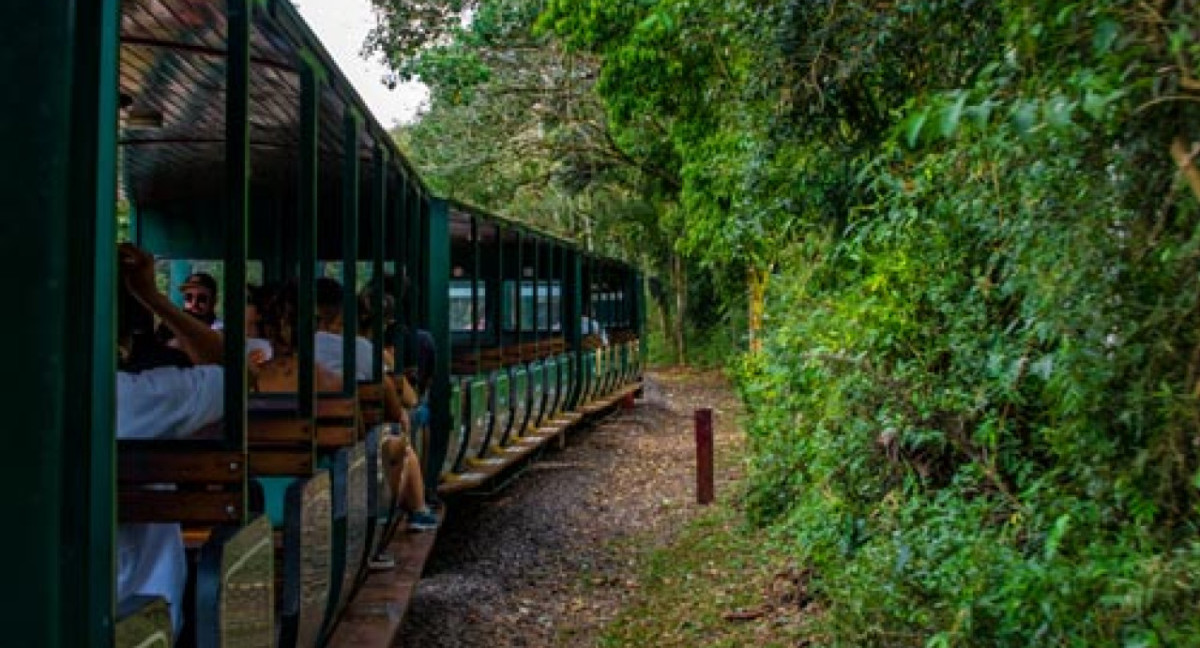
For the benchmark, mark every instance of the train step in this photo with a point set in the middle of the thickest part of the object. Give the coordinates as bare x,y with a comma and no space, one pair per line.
374,616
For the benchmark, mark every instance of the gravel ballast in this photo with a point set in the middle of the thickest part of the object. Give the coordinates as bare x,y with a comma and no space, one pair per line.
550,556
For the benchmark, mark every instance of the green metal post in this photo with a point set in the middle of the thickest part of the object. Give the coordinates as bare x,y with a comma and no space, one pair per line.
639,320
306,254
496,312
520,306
537,289
573,311
237,186
397,235
425,260
58,258
379,204
437,302
350,204
475,286
92,278
408,246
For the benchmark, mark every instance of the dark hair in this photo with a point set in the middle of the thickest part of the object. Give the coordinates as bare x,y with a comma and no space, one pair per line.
329,299
366,312
278,310
329,293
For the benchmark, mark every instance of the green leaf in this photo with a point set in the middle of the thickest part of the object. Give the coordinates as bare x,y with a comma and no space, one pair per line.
1106,34
948,122
1057,111
912,126
1024,115
1055,537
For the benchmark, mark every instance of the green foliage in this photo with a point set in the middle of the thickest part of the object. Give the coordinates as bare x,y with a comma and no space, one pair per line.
405,28
975,416
976,413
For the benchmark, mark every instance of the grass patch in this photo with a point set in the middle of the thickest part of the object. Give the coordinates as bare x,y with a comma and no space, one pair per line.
718,585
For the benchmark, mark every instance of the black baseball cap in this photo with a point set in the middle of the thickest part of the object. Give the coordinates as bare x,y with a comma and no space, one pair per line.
200,280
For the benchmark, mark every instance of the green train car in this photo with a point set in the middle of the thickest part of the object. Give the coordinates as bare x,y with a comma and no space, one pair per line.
219,136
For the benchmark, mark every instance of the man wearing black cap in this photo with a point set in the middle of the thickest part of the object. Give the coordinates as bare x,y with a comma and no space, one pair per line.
200,298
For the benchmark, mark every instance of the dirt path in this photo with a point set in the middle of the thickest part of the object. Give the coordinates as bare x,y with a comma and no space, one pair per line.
551,557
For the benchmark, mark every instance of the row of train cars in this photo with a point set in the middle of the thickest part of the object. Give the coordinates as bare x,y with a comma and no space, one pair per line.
221,130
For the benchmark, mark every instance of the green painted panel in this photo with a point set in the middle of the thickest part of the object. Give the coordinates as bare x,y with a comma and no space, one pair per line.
57,255
501,407
455,430
520,400
537,383
480,417
435,307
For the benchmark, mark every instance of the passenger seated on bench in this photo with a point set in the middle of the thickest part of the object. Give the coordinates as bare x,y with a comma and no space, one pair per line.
419,374
200,299
329,348
160,394
279,317
199,292
277,309
258,347
592,332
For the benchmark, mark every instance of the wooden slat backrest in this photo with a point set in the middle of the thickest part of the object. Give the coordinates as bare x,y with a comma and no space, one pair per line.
280,462
281,444
193,486
307,544
370,403
277,429
337,422
137,466
235,603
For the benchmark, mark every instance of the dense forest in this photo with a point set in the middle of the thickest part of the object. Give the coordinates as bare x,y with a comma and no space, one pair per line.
949,250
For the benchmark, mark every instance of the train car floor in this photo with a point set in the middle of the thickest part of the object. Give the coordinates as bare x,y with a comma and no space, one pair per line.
374,616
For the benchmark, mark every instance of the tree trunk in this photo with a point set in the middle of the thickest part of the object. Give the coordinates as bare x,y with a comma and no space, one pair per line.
679,284
756,281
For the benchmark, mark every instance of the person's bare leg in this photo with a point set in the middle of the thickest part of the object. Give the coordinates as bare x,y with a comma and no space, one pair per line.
412,491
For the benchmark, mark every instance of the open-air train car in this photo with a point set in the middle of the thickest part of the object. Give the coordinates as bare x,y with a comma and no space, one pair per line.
231,143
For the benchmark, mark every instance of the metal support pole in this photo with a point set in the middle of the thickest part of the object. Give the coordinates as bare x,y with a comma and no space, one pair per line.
306,240
237,182
704,456
352,123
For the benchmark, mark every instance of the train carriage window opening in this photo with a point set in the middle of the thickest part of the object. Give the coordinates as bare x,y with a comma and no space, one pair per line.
540,305
466,315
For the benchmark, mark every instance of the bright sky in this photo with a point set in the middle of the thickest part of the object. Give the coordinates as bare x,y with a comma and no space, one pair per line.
342,26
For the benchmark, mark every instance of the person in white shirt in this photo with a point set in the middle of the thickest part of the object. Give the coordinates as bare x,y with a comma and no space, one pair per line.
329,340
280,376
166,402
